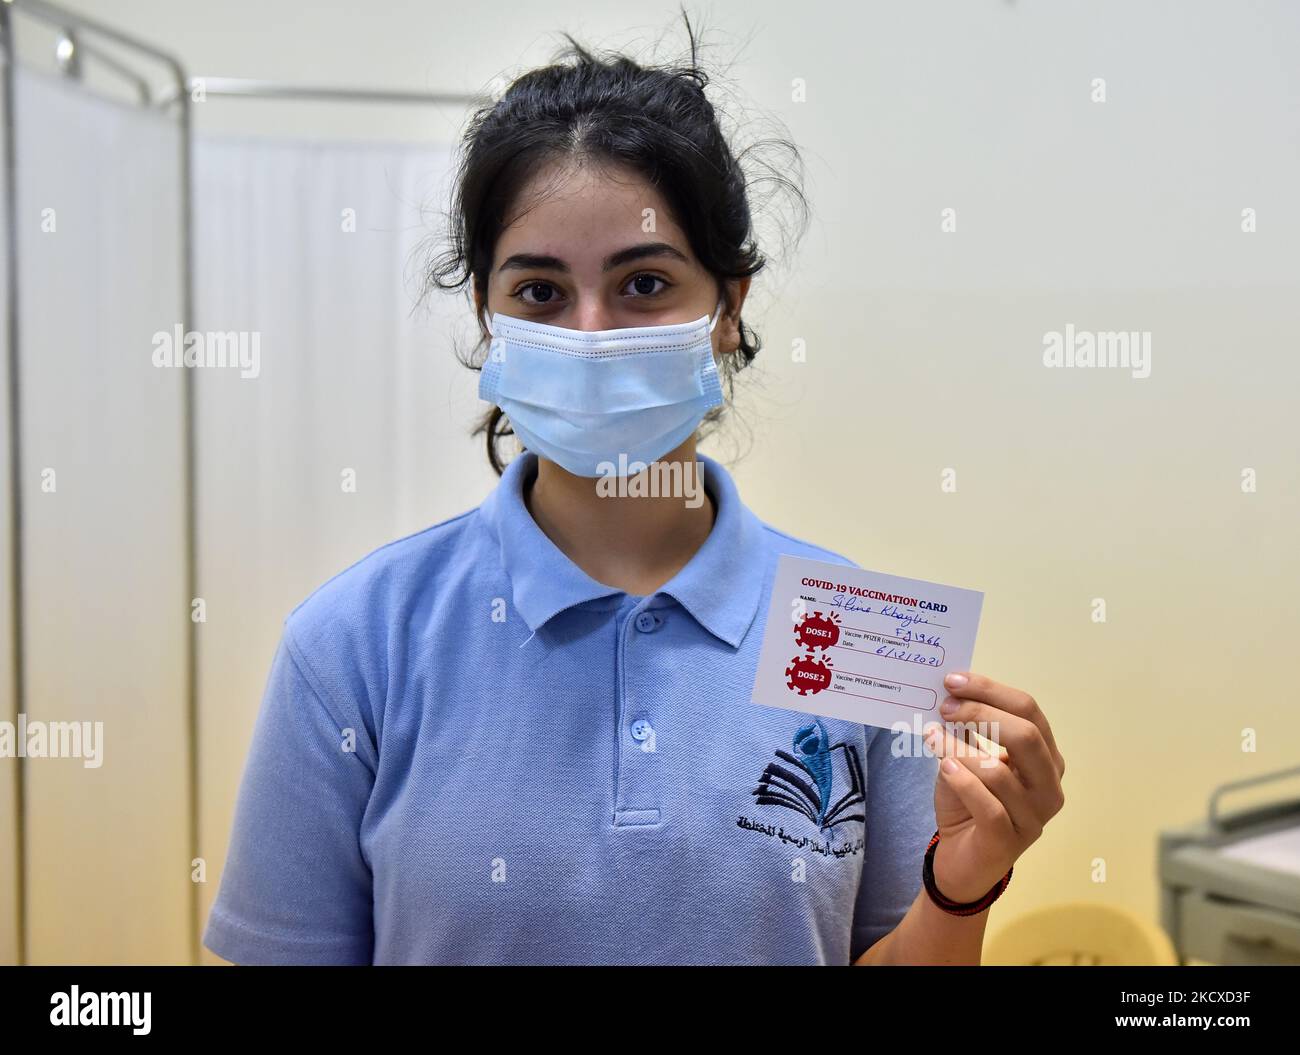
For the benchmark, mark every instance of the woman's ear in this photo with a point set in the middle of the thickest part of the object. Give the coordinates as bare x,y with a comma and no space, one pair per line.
729,339
729,322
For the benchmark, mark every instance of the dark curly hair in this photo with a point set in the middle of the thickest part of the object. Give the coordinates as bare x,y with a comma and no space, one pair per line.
654,120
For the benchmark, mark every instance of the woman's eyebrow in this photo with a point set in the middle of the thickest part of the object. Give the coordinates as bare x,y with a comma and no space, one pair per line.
526,261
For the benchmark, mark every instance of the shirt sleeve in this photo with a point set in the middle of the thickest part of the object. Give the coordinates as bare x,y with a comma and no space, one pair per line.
296,888
900,823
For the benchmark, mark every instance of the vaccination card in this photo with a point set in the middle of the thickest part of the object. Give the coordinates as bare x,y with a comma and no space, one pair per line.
862,646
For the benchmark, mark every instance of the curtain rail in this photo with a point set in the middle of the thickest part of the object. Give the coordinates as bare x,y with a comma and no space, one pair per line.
236,87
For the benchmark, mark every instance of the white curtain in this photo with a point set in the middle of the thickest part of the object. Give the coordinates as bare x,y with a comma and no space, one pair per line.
105,616
354,431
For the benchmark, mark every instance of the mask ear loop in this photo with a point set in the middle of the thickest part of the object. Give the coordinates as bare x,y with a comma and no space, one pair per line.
717,313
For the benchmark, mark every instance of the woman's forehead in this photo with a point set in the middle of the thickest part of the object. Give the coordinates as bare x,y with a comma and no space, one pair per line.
582,214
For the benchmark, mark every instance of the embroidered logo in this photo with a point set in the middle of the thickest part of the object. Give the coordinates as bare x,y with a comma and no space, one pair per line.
808,784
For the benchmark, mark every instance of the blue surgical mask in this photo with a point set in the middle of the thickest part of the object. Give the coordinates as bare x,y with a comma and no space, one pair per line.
598,402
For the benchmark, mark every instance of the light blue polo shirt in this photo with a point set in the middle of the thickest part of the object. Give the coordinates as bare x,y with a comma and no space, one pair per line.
469,751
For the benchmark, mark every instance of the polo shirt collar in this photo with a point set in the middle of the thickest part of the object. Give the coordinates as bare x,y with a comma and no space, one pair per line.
721,585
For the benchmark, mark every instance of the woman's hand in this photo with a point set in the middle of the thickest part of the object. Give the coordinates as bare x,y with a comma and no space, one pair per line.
988,807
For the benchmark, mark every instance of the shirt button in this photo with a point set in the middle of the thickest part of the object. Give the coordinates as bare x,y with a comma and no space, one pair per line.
647,621
642,730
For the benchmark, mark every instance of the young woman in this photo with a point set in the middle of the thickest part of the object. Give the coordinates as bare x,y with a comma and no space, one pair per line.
525,734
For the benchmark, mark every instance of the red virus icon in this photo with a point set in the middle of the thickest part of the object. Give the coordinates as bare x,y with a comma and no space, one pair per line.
817,630
807,675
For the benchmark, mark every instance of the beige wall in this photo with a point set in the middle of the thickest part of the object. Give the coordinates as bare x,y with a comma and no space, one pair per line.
923,349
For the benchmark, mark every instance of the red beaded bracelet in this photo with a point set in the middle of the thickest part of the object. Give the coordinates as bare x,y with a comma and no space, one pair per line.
957,908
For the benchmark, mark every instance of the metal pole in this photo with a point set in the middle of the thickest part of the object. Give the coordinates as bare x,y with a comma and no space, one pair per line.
103,58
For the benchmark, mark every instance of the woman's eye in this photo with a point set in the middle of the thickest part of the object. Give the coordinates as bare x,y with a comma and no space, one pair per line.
640,282
539,292
544,288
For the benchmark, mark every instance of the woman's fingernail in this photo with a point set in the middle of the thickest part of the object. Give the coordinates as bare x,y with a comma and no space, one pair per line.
949,766
949,707
955,680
